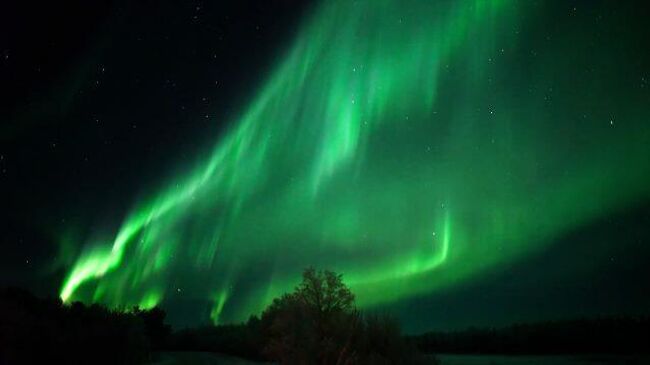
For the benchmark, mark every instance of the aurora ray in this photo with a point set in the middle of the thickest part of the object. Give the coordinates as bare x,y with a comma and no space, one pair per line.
386,145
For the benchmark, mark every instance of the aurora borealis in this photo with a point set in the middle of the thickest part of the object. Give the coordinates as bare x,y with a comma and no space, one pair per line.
414,146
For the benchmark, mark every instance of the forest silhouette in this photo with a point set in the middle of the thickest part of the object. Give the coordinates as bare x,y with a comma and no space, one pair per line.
317,323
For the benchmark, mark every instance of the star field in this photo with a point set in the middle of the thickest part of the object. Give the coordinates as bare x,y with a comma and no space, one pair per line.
429,151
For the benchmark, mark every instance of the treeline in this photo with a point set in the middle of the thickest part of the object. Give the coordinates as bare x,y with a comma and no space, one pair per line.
317,323
375,340
34,331
242,340
610,335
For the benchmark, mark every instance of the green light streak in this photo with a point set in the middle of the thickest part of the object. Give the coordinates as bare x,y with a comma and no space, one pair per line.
150,300
218,306
380,127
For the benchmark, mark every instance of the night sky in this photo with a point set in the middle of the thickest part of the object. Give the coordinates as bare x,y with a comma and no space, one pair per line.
466,162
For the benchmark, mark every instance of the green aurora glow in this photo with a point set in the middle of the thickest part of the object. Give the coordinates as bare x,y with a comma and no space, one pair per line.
388,145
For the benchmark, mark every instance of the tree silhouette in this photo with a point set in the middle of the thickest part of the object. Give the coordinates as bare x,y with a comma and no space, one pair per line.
324,293
154,325
45,331
317,323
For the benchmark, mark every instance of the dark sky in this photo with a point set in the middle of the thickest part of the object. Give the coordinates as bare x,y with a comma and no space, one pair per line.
101,101
99,97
